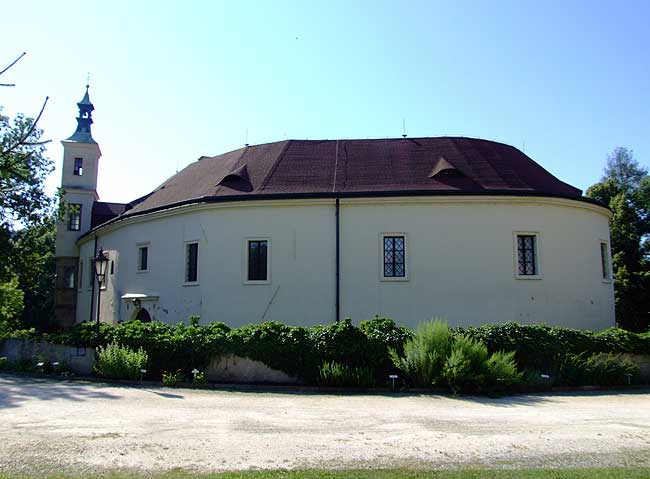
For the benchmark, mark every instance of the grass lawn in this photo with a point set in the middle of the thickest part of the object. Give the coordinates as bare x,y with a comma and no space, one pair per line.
613,473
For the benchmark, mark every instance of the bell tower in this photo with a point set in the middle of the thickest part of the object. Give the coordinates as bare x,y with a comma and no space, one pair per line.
81,155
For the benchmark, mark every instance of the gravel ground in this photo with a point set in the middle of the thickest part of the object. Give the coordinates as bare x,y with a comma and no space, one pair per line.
51,426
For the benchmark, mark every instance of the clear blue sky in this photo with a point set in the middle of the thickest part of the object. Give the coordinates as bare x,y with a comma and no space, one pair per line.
566,81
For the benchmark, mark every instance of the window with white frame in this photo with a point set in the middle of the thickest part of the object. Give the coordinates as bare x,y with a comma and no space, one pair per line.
143,258
604,261
527,255
191,262
257,260
393,264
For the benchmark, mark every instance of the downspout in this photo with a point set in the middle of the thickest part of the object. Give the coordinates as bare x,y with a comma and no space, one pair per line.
92,291
338,230
338,262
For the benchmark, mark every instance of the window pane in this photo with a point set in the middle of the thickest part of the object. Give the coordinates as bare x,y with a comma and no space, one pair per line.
192,263
603,260
144,260
257,260
394,256
526,255
74,217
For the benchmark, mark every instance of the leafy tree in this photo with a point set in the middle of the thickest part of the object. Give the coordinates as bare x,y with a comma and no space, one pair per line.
23,204
625,188
34,264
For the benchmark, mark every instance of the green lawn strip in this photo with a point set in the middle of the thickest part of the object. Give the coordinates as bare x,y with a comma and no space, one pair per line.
591,473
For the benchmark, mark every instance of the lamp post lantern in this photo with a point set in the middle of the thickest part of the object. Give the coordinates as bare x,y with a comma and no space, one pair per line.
101,261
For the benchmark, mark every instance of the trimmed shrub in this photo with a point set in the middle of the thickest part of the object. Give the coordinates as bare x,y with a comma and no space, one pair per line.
120,362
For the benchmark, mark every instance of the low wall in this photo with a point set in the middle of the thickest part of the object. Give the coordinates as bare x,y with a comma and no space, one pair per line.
78,360
235,369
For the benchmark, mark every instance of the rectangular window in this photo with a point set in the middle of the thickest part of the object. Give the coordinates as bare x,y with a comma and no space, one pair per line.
143,258
74,217
78,166
68,277
257,260
527,255
604,260
112,267
81,274
191,262
394,257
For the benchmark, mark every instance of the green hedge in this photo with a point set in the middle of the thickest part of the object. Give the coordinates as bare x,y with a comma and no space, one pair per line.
301,351
543,348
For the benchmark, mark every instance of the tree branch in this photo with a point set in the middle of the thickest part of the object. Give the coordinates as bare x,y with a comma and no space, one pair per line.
23,138
13,63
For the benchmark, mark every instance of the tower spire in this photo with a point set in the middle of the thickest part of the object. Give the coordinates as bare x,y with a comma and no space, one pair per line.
84,120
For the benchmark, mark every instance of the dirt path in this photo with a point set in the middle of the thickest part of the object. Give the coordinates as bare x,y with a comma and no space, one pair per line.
48,426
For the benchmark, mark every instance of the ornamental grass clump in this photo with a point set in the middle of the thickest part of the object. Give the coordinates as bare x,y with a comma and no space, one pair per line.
425,354
120,362
332,373
438,357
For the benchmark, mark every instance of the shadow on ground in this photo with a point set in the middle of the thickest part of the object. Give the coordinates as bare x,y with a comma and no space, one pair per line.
15,390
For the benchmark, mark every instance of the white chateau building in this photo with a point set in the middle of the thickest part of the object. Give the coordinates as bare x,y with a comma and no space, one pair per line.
305,232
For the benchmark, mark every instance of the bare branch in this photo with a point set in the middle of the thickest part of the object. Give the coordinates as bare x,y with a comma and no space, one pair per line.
13,63
23,138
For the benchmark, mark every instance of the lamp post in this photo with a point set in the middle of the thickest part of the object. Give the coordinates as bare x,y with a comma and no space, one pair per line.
101,261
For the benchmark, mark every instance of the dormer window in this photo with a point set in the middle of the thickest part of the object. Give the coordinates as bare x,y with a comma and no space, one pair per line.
78,166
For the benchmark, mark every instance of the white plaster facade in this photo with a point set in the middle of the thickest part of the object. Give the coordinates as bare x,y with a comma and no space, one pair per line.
460,260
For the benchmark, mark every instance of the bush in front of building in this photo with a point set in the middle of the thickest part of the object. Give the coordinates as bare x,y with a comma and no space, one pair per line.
439,357
115,361
540,351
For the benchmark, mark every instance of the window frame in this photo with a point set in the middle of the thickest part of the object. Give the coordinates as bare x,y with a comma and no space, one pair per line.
186,250
245,265
538,255
605,261
407,255
140,246
76,215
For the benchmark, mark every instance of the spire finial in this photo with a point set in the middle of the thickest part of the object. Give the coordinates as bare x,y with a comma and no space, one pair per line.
87,81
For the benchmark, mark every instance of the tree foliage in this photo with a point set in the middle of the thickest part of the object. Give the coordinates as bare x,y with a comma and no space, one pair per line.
625,188
27,229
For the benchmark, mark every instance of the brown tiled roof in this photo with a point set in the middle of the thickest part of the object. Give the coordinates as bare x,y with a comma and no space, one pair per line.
356,167
103,212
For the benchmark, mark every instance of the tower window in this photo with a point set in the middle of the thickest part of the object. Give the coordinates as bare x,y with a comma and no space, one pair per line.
68,277
74,217
78,166
604,260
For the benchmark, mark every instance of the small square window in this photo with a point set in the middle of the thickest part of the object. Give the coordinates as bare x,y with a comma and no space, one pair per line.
78,166
191,262
527,255
74,217
143,258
